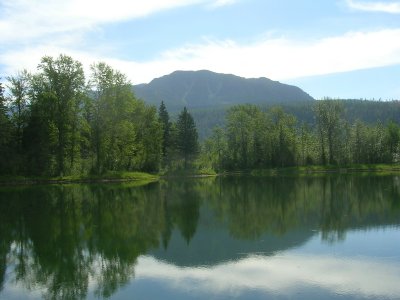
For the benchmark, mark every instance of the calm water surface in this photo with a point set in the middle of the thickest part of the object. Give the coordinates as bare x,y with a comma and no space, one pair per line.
221,238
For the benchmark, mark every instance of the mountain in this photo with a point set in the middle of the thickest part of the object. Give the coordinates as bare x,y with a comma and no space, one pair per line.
198,89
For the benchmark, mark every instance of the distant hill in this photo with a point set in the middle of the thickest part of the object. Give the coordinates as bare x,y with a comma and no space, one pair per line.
200,89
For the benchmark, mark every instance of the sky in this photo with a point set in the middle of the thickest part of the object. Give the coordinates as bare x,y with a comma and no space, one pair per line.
329,48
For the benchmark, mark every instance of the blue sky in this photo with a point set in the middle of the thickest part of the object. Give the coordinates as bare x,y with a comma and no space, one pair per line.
330,48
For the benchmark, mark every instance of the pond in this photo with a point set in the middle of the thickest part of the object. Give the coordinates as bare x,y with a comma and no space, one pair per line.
324,237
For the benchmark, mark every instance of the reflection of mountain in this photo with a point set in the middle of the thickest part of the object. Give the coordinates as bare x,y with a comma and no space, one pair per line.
214,244
242,215
60,238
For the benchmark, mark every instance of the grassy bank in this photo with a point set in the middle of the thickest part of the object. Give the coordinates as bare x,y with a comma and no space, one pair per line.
189,173
356,168
107,177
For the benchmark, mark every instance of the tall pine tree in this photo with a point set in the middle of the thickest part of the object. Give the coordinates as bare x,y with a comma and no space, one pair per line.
163,117
187,137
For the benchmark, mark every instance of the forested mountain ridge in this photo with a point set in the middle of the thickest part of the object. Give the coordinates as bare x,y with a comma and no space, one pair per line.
368,111
197,89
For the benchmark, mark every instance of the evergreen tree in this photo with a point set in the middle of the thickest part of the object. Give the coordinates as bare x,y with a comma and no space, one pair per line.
163,117
187,137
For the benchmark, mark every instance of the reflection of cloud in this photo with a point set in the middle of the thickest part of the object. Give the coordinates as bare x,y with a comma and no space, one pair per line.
392,7
281,275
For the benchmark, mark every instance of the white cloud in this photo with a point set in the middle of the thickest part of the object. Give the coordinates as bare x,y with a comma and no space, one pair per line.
21,20
32,29
24,19
280,275
278,58
392,7
220,3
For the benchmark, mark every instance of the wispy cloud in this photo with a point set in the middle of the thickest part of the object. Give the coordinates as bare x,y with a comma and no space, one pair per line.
392,7
21,20
25,18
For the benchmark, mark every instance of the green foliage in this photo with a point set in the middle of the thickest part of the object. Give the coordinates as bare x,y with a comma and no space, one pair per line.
328,114
57,124
54,123
65,80
257,139
18,104
214,150
186,137
368,111
126,133
5,136
163,117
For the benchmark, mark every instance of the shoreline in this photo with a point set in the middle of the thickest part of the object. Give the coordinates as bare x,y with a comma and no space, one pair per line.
107,178
148,178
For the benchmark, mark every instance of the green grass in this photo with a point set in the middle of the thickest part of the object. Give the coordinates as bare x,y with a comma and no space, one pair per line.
107,177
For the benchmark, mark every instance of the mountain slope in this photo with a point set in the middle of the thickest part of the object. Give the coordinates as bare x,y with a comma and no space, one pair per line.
196,89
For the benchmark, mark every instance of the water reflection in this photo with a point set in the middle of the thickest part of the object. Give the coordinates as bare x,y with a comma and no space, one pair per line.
72,241
281,275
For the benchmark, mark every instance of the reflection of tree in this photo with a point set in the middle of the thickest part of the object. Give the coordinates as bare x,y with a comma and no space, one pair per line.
5,239
334,210
67,235
183,207
64,238
253,206
354,201
127,223
256,206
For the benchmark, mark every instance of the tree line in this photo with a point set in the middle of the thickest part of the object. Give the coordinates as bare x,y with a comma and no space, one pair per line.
253,138
59,122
